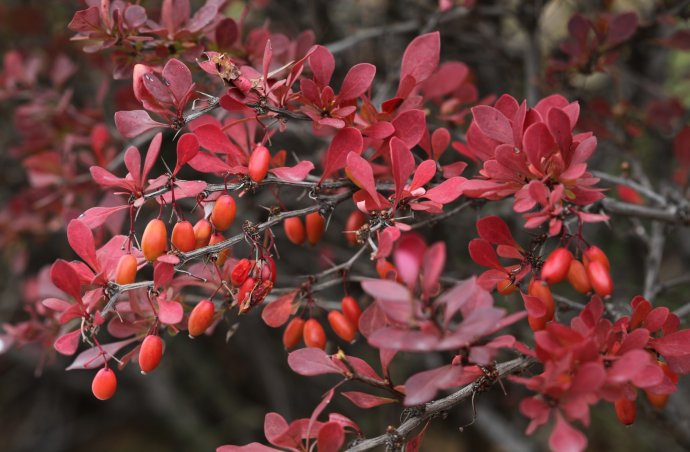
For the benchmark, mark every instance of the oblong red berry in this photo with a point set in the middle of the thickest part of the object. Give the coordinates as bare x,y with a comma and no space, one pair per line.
626,411
244,292
222,255
315,226
313,334
200,318
542,291
506,286
223,213
294,230
351,310
386,270
354,222
556,266
150,353
594,253
183,237
202,233
258,163
104,384
154,242
293,333
577,277
126,270
341,326
600,278
240,271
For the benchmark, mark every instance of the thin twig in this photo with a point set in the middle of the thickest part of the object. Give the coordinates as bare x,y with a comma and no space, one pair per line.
651,194
670,214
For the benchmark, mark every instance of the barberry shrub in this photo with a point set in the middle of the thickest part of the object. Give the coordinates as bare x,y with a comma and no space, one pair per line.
370,222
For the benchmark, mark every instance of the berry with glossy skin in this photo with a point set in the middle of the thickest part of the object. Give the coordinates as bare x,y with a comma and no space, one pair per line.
223,213
386,270
150,353
200,318
342,326
594,253
126,270
258,163
241,271
294,230
183,237
222,254
354,222
315,225
506,287
577,277
540,290
556,266
626,411
314,335
154,242
351,310
293,333
202,233
600,278
104,384
245,291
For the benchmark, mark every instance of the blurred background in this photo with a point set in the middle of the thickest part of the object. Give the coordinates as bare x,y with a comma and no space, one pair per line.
216,389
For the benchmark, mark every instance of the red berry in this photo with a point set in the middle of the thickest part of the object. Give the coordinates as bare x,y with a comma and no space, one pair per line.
202,233
315,225
154,242
222,254
126,270
342,326
200,318
600,278
241,271
556,266
150,353
258,163
223,213
351,310
626,411
354,222
104,384
658,401
506,286
594,253
183,237
541,290
386,270
268,268
293,333
294,230
314,335
244,293
577,276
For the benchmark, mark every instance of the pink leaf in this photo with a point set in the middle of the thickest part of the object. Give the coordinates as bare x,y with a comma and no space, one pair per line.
382,289
278,312
295,173
360,172
163,273
357,81
366,401
133,164
152,155
423,386
106,179
66,279
345,141
674,344
187,148
483,254
80,238
318,410
67,343
421,57
209,163
56,304
331,437
274,427
447,191
312,361
434,262
91,358
133,123
170,312
410,126
565,438
424,173
402,165
322,65
493,123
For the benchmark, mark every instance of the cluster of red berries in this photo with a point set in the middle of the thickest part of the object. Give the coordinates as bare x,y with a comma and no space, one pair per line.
344,324
311,229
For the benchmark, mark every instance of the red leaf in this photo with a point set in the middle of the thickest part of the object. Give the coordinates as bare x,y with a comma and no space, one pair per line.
322,65
66,279
56,304
107,179
331,437
312,361
212,138
295,173
80,238
209,163
67,343
434,262
483,254
379,130
421,57
91,359
423,386
278,312
674,344
533,305
366,401
359,171
447,191
163,273
170,312
386,290
493,123
440,140
318,410
275,427
357,81
402,165
187,148
410,126
133,123
424,173
565,438
133,164
345,141
495,231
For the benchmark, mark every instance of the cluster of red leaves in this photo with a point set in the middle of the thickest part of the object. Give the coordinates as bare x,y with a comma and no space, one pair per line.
596,359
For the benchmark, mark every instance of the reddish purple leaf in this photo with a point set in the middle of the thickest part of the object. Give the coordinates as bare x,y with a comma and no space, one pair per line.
674,344
621,28
493,123
366,401
331,437
170,312
133,165
66,279
402,165
410,126
424,173
382,289
312,361
495,231
278,312
345,141
565,438
434,262
251,447
318,410
163,273
447,191
359,171
421,57
295,173
423,386
357,81
80,238
187,148
322,65
91,358
379,130
483,254
67,343
133,123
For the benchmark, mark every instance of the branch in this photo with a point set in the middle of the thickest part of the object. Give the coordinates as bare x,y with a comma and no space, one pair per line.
646,191
437,407
653,260
671,214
